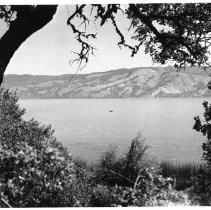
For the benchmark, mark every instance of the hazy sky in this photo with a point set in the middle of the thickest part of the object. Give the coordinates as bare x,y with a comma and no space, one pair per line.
48,51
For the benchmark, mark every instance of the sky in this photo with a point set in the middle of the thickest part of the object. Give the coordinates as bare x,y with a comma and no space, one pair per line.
48,51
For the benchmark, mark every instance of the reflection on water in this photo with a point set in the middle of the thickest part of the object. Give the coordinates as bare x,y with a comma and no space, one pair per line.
87,127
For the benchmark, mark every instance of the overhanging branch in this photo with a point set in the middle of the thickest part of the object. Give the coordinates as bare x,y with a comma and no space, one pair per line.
29,20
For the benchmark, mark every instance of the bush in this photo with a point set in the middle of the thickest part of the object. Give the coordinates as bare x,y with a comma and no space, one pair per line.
201,189
112,170
150,189
205,129
102,196
36,170
182,173
14,129
29,178
133,180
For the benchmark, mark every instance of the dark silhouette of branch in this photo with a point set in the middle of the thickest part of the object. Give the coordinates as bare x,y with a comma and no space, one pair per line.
184,39
176,32
29,19
187,35
82,37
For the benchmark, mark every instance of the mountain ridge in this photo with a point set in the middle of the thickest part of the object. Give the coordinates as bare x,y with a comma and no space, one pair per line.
120,83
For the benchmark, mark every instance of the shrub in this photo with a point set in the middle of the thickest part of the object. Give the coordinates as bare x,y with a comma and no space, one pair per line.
123,170
14,129
182,173
30,178
200,192
36,170
201,189
133,180
150,189
205,129
102,196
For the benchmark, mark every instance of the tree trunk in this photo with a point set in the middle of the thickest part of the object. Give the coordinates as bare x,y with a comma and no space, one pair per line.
29,20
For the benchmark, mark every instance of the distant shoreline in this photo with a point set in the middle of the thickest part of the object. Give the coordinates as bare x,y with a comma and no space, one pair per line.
156,98
122,83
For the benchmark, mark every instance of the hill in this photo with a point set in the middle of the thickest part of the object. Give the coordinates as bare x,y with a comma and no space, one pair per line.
136,82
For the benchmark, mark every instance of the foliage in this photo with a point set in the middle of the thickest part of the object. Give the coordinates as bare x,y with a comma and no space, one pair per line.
14,129
175,32
33,17
30,178
112,170
181,173
6,13
150,189
170,32
36,170
102,196
201,189
205,129
133,180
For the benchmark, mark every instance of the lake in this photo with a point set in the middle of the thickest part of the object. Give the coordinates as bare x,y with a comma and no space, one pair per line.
88,126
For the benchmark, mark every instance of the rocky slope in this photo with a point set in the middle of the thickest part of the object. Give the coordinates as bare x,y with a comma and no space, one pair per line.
136,82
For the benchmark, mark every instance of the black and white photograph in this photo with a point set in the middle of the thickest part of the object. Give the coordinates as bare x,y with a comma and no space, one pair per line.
105,104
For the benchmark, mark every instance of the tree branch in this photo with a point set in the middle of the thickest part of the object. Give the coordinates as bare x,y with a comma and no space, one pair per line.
29,20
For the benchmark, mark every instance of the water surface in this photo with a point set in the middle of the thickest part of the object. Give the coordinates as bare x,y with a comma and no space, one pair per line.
88,126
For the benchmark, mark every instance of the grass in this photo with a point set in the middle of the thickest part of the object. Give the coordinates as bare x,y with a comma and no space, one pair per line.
181,172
